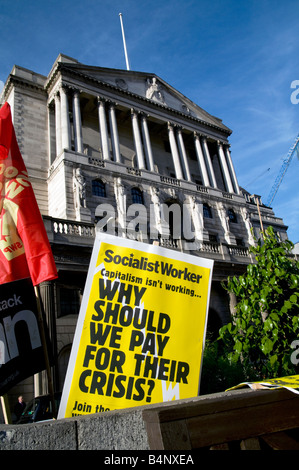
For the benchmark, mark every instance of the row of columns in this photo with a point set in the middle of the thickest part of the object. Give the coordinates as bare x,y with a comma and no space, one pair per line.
62,122
142,142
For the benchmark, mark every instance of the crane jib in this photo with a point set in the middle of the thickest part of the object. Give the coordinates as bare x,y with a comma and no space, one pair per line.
283,170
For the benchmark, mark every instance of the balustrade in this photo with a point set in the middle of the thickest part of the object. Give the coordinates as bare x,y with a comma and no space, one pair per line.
65,227
69,229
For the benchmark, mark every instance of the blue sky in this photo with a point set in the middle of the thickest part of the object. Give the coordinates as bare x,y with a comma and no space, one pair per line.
235,59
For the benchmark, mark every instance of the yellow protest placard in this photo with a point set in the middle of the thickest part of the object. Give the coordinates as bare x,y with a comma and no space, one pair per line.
141,328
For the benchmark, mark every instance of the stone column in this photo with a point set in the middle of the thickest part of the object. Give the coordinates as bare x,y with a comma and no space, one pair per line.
50,141
232,170
137,140
201,161
65,120
77,122
114,133
103,129
147,144
174,152
183,154
58,123
209,162
227,178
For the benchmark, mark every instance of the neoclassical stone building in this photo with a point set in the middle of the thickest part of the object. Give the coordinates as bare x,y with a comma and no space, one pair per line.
92,135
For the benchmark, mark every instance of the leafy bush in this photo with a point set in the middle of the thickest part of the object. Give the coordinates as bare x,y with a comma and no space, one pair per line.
218,372
266,318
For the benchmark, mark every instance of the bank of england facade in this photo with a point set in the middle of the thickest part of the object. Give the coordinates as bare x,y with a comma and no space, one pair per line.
92,136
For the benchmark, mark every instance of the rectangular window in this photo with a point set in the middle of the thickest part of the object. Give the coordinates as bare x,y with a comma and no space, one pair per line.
98,188
70,300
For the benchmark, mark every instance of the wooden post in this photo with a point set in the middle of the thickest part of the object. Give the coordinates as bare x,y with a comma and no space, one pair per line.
260,217
6,409
45,349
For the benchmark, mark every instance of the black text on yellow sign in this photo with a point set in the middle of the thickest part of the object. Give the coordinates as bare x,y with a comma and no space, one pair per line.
141,328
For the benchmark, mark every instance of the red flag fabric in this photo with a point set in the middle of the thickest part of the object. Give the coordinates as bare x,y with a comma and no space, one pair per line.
24,246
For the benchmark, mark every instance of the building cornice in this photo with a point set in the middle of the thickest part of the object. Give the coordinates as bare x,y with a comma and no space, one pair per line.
14,80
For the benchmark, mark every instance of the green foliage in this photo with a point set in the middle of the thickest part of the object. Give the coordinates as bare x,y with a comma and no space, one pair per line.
266,319
218,372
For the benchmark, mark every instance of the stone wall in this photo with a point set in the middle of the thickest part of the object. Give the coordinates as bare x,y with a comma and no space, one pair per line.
114,430
232,420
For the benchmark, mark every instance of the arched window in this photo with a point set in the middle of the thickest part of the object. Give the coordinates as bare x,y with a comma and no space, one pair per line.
232,216
98,188
207,212
137,196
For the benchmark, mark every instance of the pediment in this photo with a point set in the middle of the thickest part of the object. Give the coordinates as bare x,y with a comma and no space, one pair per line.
149,87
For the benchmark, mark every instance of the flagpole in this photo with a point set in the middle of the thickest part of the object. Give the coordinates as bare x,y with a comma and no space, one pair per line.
31,258
124,40
45,349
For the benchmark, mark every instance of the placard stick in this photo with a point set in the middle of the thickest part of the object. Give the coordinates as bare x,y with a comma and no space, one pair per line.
45,349
6,409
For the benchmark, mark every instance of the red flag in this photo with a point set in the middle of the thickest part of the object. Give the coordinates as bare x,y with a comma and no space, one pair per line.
24,246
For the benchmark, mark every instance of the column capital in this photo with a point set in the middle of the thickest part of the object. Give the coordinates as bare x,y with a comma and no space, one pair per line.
75,91
200,135
144,115
65,88
102,99
136,112
220,143
111,103
170,125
